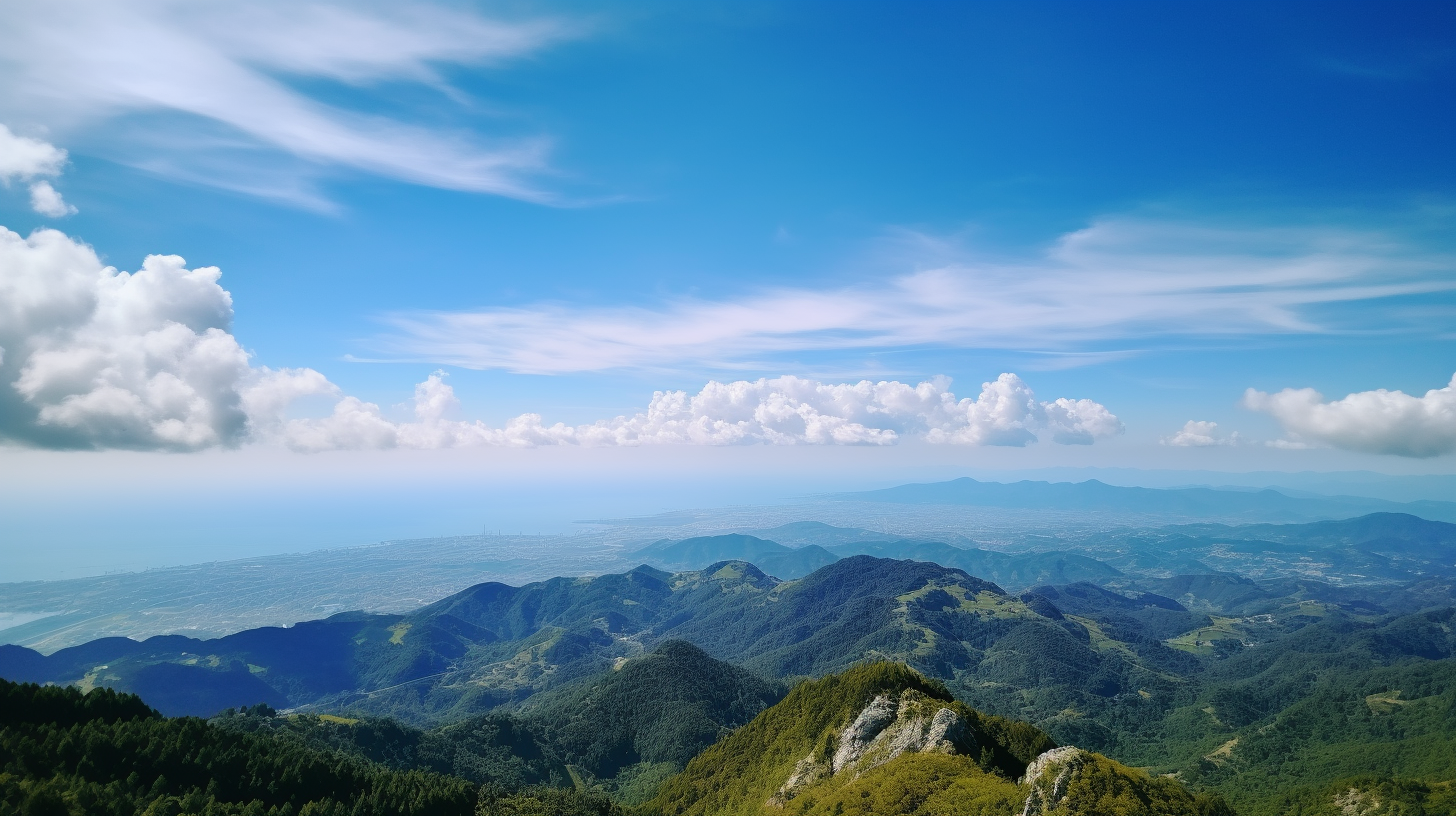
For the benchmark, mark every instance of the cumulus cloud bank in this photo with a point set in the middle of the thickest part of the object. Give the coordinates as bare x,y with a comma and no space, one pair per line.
1380,421
1119,278
220,80
26,159
778,411
92,357
1199,434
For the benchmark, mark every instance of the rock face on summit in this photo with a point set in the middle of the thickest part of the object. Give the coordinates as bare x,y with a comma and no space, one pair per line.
881,740
890,725
1049,777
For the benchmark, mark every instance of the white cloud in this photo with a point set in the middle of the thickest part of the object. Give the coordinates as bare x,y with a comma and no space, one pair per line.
24,158
100,358
91,357
1380,421
45,200
1199,434
1118,279
217,80
779,411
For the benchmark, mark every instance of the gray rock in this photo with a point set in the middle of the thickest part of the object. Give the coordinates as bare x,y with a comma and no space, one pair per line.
806,772
917,733
1049,776
886,728
870,723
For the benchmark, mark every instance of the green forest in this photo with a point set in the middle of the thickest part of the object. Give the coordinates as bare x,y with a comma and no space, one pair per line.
105,752
65,752
710,691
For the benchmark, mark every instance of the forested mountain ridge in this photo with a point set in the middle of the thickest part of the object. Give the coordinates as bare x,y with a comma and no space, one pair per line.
108,754
626,730
494,644
620,732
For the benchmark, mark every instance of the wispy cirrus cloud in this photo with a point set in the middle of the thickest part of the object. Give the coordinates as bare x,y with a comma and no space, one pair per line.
1121,279
223,77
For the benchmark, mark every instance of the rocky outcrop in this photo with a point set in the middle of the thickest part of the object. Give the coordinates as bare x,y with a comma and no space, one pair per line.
886,728
806,772
1355,802
1049,776
857,736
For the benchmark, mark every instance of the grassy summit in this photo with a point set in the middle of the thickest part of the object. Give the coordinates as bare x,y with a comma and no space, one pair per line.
882,739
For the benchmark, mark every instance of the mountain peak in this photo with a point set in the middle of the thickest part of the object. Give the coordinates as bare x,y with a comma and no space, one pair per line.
888,573
882,739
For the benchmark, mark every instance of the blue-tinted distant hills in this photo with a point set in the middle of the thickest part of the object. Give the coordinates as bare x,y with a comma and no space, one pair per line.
1014,571
1004,520
495,644
1387,533
1266,505
802,533
1377,548
769,556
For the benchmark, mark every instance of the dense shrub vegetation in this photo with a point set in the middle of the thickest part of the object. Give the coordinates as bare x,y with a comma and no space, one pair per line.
665,707
491,748
106,754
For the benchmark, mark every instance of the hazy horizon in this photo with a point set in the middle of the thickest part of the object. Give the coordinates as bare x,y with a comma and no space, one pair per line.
108,534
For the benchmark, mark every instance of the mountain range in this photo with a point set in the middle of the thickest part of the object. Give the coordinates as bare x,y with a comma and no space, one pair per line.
211,600
1093,496
1376,549
615,683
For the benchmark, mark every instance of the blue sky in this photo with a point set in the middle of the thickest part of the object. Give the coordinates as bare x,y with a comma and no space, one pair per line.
1150,207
